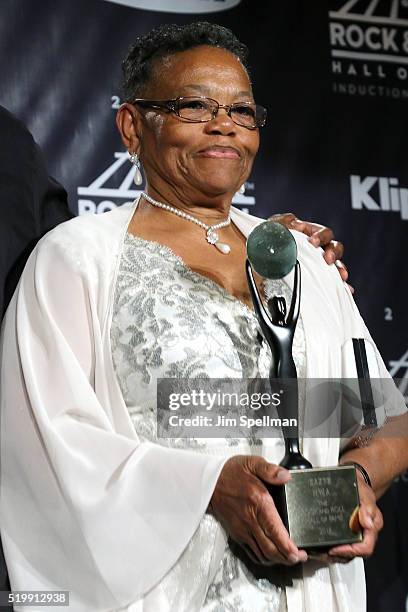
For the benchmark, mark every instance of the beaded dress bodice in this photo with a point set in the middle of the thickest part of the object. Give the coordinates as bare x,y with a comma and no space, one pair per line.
171,322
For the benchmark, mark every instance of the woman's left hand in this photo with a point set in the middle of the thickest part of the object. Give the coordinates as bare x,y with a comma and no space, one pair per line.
371,521
319,236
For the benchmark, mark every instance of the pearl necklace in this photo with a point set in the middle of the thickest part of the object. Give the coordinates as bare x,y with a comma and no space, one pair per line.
211,233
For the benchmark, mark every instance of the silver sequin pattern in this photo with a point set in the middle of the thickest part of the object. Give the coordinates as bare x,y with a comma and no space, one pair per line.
169,321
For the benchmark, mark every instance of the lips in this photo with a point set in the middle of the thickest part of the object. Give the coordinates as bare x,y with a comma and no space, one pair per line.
218,152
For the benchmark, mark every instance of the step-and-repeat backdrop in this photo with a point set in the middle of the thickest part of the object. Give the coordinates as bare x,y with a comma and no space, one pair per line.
334,77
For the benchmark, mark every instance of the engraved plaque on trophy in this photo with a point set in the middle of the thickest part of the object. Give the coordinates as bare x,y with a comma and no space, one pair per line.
317,504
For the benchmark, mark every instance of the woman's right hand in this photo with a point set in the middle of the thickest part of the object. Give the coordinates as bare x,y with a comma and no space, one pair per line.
243,505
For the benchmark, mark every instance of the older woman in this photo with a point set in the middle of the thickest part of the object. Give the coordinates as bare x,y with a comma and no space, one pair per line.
92,501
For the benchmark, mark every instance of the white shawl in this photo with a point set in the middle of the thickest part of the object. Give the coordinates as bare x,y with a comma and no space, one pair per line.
86,507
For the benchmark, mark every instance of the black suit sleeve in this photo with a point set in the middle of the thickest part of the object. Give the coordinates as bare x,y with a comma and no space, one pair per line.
31,202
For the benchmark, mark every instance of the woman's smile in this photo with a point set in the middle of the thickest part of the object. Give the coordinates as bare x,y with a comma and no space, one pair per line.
218,152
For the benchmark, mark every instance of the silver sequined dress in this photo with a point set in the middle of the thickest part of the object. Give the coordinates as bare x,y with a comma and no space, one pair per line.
169,321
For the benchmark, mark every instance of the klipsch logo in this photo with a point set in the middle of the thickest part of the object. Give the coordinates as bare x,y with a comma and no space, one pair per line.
114,187
180,6
369,47
379,193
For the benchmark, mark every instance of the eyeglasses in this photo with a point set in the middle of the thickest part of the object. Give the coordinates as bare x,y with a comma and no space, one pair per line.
200,109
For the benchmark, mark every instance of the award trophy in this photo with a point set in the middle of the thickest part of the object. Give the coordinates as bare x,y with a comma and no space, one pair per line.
317,505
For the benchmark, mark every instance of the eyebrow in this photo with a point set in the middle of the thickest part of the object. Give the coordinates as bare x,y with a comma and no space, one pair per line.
206,91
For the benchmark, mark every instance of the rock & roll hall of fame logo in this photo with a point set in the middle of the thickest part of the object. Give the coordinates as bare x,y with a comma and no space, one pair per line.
369,47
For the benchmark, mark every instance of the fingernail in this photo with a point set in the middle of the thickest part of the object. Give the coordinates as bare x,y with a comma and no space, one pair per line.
282,475
302,556
293,558
370,522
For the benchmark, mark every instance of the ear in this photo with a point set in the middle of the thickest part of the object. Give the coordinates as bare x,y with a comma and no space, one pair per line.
129,124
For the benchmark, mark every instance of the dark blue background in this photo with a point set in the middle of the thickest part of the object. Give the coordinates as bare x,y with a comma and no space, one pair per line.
60,66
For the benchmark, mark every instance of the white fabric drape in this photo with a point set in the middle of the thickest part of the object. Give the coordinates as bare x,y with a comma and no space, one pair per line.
86,507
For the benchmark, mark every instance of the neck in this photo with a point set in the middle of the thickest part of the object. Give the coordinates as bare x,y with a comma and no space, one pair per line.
209,209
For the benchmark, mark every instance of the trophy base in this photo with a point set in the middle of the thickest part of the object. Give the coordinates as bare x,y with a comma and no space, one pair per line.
316,507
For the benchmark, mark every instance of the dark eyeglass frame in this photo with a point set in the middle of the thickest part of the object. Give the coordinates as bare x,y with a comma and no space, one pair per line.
173,106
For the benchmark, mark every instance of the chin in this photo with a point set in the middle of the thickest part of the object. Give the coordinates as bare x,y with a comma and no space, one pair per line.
219,192
219,188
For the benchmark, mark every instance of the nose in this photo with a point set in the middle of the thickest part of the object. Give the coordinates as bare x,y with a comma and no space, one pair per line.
221,123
